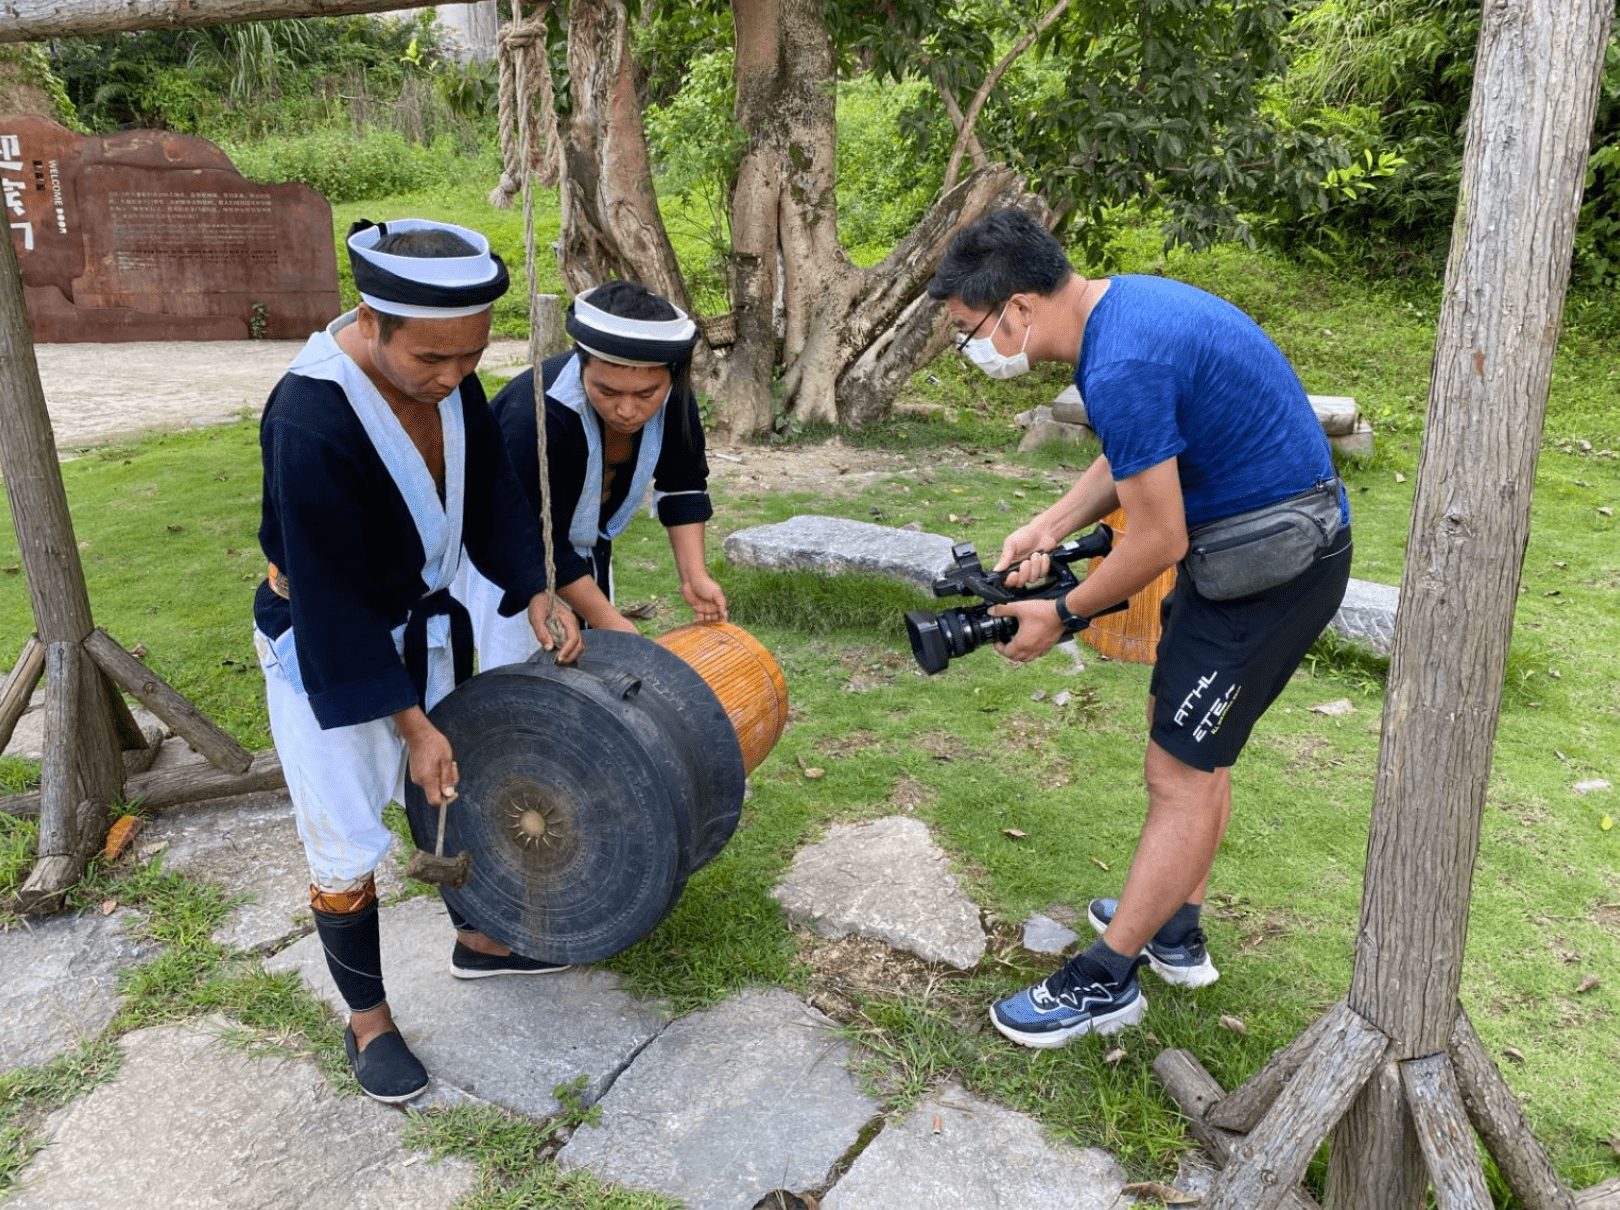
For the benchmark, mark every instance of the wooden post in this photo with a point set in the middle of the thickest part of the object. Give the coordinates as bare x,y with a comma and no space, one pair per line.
1443,1134
20,686
50,555
1536,79
174,787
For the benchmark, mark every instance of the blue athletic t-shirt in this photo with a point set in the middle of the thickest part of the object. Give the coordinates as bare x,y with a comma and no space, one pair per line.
1169,371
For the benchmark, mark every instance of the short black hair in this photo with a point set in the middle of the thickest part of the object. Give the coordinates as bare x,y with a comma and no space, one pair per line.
427,242
1000,254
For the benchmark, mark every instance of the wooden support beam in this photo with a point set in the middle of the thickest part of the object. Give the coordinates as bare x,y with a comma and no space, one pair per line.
1245,1105
61,852
1495,1113
20,686
39,20
172,787
136,679
1443,1134
1273,1158
1604,1196
1195,1090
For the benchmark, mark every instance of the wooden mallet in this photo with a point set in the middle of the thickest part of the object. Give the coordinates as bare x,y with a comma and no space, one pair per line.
435,867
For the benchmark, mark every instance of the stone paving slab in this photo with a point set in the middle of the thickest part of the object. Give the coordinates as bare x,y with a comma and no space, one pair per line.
508,1041
728,1105
249,844
956,1149
889,881
1043,935
58,982
832,545
191,1122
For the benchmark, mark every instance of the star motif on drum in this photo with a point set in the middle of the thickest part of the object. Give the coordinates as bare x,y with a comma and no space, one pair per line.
533,820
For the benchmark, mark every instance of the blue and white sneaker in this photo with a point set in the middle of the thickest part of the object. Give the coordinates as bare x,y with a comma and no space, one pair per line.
1078,998
1186,964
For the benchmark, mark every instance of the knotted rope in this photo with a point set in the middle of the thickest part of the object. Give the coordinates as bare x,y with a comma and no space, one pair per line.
523,59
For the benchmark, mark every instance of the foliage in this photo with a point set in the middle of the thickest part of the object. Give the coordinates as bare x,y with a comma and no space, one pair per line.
251,79
891,162
1394,79
26,64
350,168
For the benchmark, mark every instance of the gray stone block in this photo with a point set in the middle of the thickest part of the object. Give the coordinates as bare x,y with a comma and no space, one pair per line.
1335,413
832,544
1069,408
959,1150
1043,935
58,982
190,1121
1367,615
249,844
507,1040
889,881
729,1104
1044,431
1358,443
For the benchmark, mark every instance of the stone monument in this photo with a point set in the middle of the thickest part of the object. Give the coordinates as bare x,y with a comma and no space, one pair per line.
150,235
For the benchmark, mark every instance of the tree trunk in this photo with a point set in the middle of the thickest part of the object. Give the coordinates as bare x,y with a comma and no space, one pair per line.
41,20
1530,120
39,510
611,225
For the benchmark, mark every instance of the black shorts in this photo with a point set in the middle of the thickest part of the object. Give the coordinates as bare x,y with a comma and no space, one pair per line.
1221,663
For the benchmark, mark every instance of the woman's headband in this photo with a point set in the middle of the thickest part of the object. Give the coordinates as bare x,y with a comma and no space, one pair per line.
630,342
424,287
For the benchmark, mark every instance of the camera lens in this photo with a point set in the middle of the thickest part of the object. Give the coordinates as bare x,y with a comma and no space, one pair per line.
928,645
936,639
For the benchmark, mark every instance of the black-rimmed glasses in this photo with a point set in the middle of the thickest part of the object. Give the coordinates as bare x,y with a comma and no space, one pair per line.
963,339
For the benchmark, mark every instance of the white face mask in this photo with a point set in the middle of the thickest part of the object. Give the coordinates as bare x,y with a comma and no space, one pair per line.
984,354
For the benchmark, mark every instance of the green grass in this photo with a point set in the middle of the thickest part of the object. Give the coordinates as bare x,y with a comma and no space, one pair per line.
166,528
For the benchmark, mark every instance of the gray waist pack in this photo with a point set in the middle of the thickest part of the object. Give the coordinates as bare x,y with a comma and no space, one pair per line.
1253,552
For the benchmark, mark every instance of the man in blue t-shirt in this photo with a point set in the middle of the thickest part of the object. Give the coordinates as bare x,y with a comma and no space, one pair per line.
1201,418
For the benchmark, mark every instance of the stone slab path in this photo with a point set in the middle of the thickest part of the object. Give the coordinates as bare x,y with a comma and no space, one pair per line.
715,1109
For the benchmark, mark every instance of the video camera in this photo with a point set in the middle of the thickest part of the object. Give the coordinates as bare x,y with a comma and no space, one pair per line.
938,638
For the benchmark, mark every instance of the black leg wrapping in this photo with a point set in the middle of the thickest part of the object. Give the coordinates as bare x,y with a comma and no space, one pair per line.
353,943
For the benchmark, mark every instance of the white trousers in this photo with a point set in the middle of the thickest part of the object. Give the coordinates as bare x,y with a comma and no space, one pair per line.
340,779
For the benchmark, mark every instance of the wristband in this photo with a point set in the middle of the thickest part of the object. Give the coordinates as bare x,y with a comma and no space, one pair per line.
1071,622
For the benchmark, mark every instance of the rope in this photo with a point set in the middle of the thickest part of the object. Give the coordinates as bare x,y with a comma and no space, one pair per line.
527,35
522,51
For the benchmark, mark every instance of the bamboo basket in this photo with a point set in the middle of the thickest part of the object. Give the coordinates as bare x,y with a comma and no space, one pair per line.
744,677
1133,633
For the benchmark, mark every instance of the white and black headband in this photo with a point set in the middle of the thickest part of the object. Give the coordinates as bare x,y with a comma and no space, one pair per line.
424,287
630,342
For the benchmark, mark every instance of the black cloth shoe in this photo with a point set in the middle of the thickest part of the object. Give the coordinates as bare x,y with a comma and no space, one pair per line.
386,1068
468,963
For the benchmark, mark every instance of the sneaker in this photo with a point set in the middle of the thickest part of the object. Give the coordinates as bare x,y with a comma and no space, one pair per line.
468,963
1186,964
386,1069
1076,999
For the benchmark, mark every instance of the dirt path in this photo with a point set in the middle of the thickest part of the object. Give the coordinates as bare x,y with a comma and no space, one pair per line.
99,393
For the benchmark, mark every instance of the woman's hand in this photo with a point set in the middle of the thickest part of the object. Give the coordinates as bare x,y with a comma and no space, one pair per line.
705,596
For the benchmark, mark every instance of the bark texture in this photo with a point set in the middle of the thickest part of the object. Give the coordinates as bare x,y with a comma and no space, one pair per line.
40,20
1530,120
611,225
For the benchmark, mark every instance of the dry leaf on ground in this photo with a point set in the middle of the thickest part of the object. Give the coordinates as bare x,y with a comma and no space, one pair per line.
1234,1024
1342,706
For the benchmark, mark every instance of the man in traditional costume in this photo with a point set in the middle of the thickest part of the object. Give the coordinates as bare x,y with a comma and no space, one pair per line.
381,463
621,418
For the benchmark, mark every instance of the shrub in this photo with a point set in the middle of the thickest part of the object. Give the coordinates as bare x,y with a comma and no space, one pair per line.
351,168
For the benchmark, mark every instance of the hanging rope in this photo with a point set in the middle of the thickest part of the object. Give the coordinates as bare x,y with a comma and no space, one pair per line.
520,61
523,59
